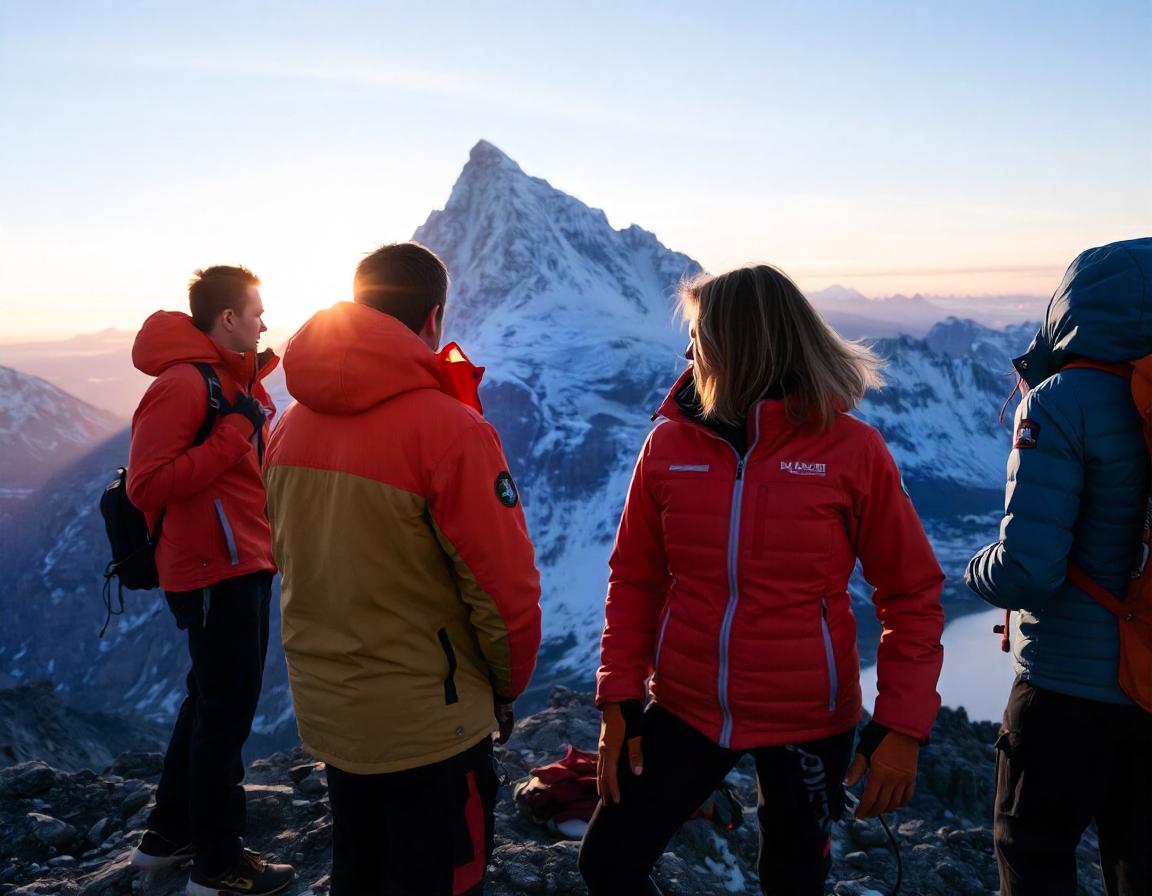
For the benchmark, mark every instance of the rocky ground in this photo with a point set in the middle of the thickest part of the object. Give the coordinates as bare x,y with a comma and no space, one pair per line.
67,832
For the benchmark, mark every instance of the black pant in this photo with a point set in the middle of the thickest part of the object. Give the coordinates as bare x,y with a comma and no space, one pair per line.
800,794
1063,762
424,831
200,797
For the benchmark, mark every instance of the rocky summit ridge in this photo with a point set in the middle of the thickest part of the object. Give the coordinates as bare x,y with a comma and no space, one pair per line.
71,832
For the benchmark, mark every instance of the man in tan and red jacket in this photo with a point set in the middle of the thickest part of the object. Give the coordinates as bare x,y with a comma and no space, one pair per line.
410,598
204,493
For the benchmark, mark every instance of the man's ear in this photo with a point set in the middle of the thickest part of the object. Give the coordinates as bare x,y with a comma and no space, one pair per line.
430,331
228,319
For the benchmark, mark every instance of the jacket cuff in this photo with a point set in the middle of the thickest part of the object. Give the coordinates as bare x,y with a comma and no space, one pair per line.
870,738
917,734
615,692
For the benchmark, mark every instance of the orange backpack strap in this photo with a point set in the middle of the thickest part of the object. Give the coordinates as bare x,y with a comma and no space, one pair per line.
1139,374
1122,368
1096,591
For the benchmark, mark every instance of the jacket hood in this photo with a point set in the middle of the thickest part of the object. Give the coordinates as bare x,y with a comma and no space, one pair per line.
349,358
1102,310
168,338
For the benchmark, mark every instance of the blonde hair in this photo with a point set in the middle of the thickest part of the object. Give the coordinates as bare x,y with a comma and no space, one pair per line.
754,332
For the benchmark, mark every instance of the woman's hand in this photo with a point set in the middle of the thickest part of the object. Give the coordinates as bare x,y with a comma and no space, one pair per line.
619,725
891,768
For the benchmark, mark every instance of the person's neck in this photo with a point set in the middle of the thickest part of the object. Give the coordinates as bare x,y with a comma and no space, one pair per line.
222,343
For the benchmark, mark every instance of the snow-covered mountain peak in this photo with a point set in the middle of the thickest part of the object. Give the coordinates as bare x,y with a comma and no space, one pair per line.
955,336
518,247
965,338
837,293
43,428
489,155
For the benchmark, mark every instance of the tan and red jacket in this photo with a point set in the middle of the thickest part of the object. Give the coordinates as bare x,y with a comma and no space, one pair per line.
729,581
410,597
211,495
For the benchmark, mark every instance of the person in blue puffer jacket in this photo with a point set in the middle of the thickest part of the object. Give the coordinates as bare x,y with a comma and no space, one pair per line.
1073,747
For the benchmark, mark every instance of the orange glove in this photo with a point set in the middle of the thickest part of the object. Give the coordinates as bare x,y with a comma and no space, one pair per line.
891,768
620,722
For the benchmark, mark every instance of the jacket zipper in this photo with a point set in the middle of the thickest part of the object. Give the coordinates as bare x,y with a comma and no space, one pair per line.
733,588
829,657
733,553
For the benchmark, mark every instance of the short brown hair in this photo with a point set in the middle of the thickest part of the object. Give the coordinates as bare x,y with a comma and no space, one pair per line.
406,280
753,331
213,290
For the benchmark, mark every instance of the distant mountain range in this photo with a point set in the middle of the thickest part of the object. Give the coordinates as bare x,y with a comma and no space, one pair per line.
94,367
574,322
858,317
43,428
97,367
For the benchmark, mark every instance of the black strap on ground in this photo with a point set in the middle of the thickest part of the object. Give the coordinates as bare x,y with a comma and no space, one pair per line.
894,846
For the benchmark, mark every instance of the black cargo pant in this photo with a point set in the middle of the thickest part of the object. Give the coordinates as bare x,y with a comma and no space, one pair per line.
424,831
800,795
1063,762
200,797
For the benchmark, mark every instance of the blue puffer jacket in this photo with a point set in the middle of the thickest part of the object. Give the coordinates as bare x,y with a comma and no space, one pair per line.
1077,477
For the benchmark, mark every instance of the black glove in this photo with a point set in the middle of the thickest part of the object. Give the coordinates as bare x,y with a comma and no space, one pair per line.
870,739
505,718
249,408
633,712
621,735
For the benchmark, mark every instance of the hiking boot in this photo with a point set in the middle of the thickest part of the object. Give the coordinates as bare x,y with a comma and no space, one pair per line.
250,875
156,852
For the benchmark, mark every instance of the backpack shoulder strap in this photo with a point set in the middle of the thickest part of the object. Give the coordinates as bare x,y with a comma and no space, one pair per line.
1119,369
215,400
1095,590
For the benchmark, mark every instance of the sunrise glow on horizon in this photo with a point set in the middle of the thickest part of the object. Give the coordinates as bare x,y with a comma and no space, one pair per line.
936,151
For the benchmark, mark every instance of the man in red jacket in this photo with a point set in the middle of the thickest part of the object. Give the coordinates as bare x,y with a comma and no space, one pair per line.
203,490
410,596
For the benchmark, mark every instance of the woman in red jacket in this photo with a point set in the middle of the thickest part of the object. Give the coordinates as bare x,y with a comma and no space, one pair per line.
752,500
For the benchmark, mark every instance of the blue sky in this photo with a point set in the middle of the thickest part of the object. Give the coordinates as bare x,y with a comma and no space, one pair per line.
943,148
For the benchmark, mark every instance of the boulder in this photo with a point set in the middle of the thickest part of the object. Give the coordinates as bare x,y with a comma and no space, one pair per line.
51,831
137,765
27,779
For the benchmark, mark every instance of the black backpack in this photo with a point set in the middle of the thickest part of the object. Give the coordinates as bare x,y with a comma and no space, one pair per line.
133,562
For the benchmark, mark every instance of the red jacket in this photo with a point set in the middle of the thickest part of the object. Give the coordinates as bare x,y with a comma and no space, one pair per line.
214,526
729,581
410,595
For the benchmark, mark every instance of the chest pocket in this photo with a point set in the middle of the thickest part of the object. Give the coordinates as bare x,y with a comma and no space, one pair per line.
799,530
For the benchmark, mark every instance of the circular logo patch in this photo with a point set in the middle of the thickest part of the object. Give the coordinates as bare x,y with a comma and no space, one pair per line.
506,490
